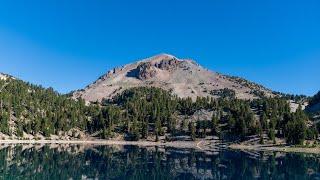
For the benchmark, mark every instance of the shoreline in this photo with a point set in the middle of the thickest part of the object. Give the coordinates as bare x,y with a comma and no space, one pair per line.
275,148
176,144
201,145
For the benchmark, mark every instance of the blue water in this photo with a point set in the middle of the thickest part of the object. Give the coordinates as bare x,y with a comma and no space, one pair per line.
131,162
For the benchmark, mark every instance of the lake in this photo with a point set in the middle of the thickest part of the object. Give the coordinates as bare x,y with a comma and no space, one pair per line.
132,162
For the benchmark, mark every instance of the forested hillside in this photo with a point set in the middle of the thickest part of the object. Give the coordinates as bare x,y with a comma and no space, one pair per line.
146,112
35,110
152,111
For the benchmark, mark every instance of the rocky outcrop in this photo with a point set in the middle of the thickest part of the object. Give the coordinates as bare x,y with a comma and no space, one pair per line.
146,71
149,70
168,64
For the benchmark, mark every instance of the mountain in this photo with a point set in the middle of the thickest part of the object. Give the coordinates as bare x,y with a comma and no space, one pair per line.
138,110
182,77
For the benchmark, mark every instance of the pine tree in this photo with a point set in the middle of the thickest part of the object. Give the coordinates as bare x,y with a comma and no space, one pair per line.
214,125
296,128
192,130
263,121
271,135
157,128
145,128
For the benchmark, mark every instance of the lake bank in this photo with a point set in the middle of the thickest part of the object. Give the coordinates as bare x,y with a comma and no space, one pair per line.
276,148
202,145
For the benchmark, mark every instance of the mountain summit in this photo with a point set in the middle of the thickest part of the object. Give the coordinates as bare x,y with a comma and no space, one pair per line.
182,77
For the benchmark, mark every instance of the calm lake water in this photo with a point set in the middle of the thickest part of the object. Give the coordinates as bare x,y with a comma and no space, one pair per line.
131,162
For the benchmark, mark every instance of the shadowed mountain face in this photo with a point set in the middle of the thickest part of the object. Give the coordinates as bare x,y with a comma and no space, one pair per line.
182,77
314,104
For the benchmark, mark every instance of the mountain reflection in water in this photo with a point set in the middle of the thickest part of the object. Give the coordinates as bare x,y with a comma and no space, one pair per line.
132,162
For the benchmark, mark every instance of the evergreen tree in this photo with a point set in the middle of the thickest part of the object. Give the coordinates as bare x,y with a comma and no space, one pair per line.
157,128
214,125
192,130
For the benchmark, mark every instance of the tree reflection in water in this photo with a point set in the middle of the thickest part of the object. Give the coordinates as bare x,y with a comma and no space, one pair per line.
131,162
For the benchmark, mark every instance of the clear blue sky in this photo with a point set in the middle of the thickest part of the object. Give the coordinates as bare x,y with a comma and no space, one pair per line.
66,44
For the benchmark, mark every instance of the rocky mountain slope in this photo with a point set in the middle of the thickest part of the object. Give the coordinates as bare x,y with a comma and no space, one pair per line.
182,77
